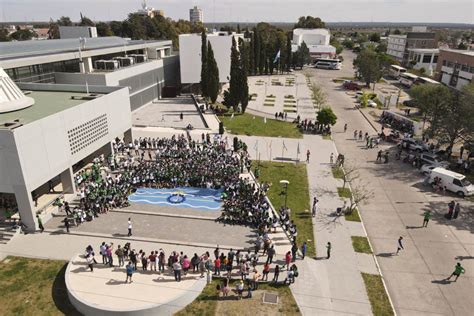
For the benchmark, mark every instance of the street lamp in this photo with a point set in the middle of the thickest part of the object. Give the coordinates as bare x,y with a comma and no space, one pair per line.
285,184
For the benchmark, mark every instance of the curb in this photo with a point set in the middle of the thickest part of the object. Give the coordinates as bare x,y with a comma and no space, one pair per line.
367,119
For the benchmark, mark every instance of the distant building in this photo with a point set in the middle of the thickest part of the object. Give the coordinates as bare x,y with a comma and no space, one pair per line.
190,55
196,15
42,34
398,45
455,67
425,58
317,41
66,32
150,12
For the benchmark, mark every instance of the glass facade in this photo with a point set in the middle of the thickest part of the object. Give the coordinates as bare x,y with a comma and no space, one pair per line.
43,73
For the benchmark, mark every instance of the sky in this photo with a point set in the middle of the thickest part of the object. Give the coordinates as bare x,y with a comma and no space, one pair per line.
451,11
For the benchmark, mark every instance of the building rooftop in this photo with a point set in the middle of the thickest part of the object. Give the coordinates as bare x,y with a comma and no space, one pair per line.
424,50
46,103
459,51
23,49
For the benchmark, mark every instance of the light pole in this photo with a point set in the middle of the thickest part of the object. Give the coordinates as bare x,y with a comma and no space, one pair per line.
285,184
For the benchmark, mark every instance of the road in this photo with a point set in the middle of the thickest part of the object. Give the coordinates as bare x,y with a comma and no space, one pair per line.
416,277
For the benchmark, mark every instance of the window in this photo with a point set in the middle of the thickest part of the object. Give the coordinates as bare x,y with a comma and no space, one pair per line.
457,182
465,68
435,59
426,59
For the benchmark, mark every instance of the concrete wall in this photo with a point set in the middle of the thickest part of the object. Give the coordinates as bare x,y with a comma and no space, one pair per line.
190,56
77,31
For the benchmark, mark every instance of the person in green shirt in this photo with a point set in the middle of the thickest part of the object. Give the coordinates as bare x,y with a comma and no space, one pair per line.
40,223
458,270
426,218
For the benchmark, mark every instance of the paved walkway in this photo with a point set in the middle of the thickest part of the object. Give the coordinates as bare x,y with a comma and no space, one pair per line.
334,286
416,278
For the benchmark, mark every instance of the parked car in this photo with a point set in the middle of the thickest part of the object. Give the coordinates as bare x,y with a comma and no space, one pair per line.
453,181
426,169
413,144
409,103
371,103
351,85
432,159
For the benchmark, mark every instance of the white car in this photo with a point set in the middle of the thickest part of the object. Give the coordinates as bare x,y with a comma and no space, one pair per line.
371,103
426,169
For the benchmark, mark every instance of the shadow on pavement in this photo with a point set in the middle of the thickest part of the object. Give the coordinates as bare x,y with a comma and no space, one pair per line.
60,296
442,281
386,254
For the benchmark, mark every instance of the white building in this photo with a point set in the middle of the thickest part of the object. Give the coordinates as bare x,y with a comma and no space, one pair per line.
148,11
423,58
317,41
196,15
61,106
190,55
66,32
396,45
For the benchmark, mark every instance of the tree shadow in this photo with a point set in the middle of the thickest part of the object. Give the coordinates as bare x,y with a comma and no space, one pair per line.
413,227
115,282
60,296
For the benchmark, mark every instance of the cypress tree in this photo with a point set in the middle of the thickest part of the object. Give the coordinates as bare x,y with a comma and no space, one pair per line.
213,74
234,82
288,52
251,55
263,56
244,69
204,76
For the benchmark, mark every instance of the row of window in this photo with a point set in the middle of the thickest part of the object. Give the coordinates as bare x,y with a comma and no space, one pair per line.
462,67
87,133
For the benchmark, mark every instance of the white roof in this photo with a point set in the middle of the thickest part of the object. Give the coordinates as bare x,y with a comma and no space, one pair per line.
310,31
425,50
448,173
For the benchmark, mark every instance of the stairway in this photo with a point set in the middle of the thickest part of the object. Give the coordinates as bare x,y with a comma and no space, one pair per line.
7,232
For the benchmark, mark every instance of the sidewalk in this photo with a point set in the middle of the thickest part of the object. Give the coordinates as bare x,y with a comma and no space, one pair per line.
333,286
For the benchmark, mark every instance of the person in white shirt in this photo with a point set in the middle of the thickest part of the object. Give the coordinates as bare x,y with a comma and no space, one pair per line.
129,227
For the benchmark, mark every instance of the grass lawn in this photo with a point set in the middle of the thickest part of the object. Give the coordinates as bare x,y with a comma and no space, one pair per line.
33,287
361,244
354,216
337,173
298,196
244,124
207,303
377,296
344,192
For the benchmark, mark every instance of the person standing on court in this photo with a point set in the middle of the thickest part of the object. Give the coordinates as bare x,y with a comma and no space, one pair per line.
66,224
458,270
40,223
328,247
400,244
303,249
426,218
129,227
308,153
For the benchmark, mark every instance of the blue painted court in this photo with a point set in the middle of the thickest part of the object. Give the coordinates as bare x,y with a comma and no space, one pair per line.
188,197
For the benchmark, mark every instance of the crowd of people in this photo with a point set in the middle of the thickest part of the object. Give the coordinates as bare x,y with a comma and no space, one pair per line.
240,264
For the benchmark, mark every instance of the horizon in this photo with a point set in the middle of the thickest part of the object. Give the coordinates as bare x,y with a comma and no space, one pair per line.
249,11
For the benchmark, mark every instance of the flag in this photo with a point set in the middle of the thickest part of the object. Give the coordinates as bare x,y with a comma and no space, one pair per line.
298,149
265,120
277,57
284,146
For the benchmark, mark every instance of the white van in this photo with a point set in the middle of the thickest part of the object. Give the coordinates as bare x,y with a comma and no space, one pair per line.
454,182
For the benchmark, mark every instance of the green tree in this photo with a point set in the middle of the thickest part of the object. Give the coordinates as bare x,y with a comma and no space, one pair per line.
103,29
348,43
235,80
244,69
318,95
374,37
22,35
397,32
368,66
456,123
204,66
334,42
213,74
309,22
462,45
303,55
251,56
117,28
326,117
256,51
432,101
4,35
64,21
85,21
288,52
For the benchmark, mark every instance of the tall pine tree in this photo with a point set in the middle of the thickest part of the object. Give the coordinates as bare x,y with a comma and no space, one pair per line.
234,82
244,70
213,74
288,52
204,76
256,51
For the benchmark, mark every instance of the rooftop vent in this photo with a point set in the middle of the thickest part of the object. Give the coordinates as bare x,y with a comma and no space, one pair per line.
11,97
